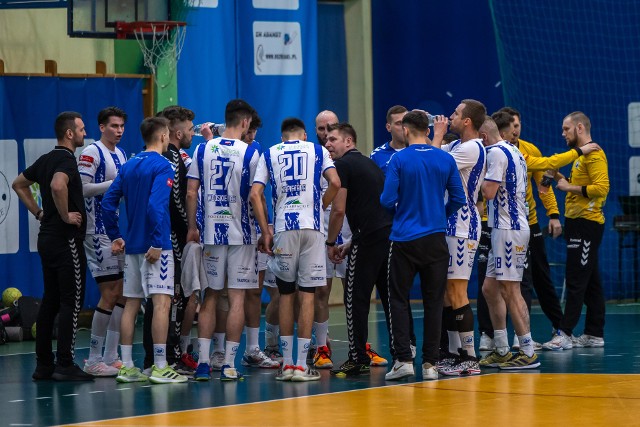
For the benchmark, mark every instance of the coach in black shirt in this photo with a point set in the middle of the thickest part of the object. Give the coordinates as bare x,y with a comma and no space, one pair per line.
60,245
362,183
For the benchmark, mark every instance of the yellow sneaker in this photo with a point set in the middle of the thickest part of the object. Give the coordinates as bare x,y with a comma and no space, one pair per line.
322,358
376,359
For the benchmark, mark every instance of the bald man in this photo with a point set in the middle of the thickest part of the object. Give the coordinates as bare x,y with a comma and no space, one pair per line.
323,119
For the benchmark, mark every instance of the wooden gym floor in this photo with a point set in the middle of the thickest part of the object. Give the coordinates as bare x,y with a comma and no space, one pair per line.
579,386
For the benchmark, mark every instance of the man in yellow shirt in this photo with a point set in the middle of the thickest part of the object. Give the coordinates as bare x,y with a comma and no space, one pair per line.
587,189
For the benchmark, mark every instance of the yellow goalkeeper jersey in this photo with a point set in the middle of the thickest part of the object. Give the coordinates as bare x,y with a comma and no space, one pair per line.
590,172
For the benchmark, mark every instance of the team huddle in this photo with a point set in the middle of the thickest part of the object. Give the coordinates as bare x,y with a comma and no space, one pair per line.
425,203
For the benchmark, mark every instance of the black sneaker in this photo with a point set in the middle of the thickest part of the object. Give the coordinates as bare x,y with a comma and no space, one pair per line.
311,354
42,372
70,373
183,369
351,369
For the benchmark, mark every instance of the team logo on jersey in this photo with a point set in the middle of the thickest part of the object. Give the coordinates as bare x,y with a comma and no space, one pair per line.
85,158
169,182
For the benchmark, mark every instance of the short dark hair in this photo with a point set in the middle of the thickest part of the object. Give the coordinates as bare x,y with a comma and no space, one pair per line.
474,110
450,137
510,110
150,126
580,117
105,113
502,119
236,111
396,109
176,114
256,121
416,120
292,124
345,129
65,120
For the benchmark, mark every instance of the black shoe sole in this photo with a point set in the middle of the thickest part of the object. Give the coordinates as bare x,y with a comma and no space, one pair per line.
63,377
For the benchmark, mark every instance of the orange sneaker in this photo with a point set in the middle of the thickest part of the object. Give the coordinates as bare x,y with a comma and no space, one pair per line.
376,359
322,358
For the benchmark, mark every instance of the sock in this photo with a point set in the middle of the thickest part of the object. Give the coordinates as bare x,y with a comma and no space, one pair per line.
303,349
230,353
184,342
464,322
271,333
501,340
195,345
98,330
452,331
321,329
204,344
252,339
113,335
526,344
126,351
160,355
287,349
218,342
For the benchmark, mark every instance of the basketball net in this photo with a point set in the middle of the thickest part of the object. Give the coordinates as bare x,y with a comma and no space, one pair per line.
161,43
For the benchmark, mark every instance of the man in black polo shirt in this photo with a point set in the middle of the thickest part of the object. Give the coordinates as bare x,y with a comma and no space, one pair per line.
60,245
359,198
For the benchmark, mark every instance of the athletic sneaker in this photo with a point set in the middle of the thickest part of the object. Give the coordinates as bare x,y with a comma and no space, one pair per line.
273,352
117,363
399,371
285,373
429,372
166,375
227,373
376,359
188,360
560,342
486,343
131,375
309,374
322,358
183,369
203,372
446,360
351,368
257,359
100,369
217,360
521,361
43,372
70,373
311,354
516,344
585,340
465,365
494,359
147,371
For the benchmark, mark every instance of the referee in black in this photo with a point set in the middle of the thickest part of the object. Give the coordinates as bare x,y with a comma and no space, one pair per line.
359,198
63,223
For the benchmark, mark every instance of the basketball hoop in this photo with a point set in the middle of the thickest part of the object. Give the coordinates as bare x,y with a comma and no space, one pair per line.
159,41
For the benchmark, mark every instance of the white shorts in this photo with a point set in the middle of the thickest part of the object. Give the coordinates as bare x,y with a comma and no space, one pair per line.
269,277
100,260
239,263
299,256
142,279
462,253
508,254
336,270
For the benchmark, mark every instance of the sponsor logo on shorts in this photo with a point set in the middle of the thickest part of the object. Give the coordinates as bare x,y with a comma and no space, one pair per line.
243,280
283,266
318,278
520,248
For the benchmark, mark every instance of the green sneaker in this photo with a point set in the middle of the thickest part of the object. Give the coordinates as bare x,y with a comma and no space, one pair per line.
166,375
351,368
493,359
130,375
521,361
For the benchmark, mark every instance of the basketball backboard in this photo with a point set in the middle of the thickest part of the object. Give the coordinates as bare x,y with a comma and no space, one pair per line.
97,18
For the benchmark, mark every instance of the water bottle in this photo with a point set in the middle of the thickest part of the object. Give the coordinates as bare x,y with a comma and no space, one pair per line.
216,128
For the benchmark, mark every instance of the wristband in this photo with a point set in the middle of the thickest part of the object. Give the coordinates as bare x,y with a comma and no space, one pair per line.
579,151
37,214
330,244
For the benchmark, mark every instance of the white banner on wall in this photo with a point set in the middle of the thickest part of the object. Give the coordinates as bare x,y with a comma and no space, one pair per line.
277,48
9,202
276,4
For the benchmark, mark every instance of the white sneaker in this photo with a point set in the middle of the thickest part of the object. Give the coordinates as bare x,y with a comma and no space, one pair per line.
399,370
285,373
585,340
486,343
257,359
217,361
429,372
100,369
309,374
560,342
516,343
536,346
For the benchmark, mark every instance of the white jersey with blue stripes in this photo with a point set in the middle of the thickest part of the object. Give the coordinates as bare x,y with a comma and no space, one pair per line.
98,164
505,165
470,157
225,169
294,169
